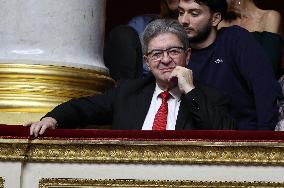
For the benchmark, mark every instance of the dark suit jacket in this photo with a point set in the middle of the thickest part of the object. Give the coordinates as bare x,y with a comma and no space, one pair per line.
125,107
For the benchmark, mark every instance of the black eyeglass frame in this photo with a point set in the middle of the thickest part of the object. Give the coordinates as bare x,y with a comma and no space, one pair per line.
168,50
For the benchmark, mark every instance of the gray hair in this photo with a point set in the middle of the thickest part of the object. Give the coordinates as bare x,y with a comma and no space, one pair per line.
161,26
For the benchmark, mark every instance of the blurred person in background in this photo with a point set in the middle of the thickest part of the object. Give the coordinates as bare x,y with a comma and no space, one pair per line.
123,53
265,25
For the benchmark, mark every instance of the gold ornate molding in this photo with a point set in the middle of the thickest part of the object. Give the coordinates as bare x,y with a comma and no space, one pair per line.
49,183
147,152
2,182
38,88
13,149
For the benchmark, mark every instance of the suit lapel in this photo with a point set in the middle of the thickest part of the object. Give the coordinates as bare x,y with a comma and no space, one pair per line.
183,119
143,103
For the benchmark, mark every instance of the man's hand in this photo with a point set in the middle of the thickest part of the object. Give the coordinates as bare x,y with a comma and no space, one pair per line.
38,128
184,78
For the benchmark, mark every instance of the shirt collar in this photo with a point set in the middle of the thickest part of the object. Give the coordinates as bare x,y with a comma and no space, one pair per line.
175,92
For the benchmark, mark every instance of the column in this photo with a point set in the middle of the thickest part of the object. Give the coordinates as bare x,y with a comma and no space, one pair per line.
50,51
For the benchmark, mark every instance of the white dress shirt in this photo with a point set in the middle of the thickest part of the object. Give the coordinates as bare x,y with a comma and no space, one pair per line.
173,108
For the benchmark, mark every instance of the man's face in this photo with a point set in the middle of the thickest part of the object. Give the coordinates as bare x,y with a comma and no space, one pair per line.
165,52
196,19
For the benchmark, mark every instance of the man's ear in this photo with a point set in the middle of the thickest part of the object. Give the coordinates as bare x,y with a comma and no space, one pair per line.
216,18
146,61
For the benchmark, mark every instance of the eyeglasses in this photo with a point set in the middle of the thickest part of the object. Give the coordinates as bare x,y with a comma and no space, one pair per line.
172,52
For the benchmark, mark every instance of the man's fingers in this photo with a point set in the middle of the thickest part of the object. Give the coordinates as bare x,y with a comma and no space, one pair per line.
174,74
32,128
36,129
43,129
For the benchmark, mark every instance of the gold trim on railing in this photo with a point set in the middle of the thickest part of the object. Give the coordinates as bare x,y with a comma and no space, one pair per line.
150,152
38,88
82,183
2,180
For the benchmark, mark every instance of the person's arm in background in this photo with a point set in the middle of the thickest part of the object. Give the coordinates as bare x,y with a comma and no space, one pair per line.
273,23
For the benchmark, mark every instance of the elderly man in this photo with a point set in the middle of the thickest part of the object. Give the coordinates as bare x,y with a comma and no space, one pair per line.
168,99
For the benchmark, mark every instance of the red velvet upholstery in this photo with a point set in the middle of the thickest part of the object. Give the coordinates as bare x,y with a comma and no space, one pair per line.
16,131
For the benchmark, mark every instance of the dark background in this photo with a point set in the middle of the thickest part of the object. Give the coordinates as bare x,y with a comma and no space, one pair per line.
121,11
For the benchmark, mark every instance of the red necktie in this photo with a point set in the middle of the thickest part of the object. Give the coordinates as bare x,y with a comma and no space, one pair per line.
160,121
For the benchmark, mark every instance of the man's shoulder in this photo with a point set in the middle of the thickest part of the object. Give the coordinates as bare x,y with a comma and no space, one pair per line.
233,36
136,84
233,31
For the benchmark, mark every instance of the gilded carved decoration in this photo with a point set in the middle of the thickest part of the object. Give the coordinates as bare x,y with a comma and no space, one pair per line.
83,183
38,88
152,152
28,92
2,182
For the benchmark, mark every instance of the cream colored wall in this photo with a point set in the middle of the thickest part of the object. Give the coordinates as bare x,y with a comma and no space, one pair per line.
32,173
11,172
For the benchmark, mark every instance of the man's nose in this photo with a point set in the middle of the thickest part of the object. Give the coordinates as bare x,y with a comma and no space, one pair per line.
166,58
184,20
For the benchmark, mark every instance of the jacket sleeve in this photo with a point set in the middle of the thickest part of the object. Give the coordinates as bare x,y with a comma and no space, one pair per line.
209,109
84,111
